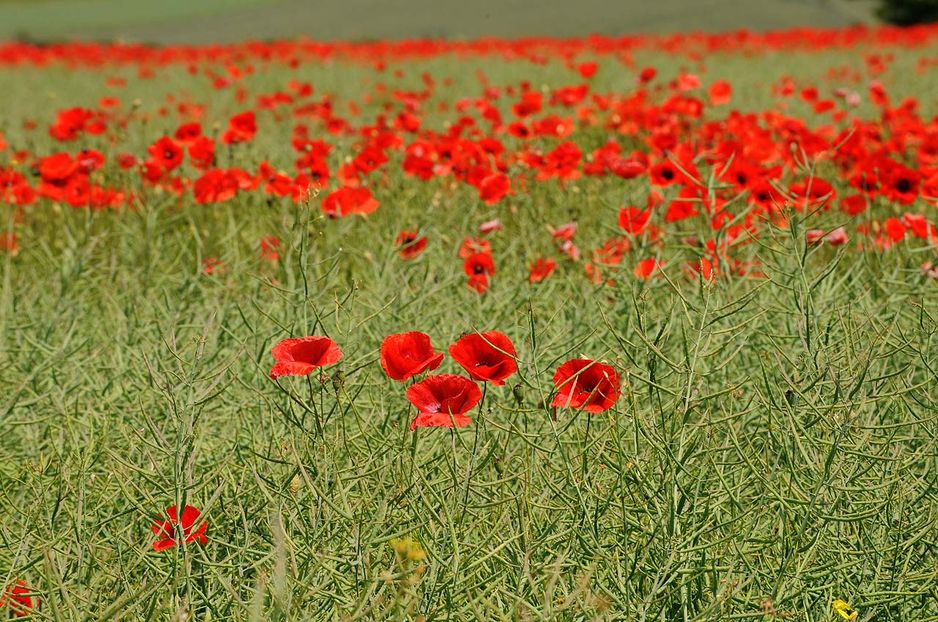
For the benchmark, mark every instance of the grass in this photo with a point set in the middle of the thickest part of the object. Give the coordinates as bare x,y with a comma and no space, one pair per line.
175,21
774,448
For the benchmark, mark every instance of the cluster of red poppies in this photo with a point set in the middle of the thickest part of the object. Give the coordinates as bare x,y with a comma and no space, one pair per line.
443,400
689,161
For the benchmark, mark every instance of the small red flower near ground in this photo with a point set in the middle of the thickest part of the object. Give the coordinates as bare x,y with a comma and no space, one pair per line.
9,243
646,267
443,401
299,356
269,246
409,246
480,263
407,354
541,269
587,385
632,220
166,529
20,600
487,357
836,237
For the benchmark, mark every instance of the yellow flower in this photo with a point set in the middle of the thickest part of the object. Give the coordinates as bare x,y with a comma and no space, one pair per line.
844,610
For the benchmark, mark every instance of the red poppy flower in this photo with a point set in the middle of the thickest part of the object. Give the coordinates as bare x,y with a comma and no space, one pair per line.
20,600
720,93
493,188
407,354
478,282
487,357
647,75
409,246
166,529
443,401
541,269
471,246
241,128
853,204
346,201
166,153
587,385
9,243
663,173
646,267
479,264
269,246
587,70
299,356
632,220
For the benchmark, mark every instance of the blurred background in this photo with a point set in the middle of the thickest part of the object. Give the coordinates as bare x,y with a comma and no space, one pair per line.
205,21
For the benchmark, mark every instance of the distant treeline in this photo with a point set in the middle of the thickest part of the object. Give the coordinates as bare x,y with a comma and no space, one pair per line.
908,12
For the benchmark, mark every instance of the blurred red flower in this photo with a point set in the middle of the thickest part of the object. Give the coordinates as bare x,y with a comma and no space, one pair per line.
20,600
541,269
347,201
409,246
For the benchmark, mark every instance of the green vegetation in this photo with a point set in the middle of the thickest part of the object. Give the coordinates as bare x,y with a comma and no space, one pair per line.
774,448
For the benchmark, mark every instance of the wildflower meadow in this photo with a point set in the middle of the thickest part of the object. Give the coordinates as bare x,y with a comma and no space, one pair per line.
605,328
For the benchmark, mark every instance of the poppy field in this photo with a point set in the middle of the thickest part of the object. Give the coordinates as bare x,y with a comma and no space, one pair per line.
639,328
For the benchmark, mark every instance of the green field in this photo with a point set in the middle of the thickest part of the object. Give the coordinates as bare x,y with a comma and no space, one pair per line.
774,447
181,21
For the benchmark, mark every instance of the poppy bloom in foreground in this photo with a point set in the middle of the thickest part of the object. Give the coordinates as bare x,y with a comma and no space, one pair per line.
407,354
587,385
443,401
166,529
18,597
299,356
487,357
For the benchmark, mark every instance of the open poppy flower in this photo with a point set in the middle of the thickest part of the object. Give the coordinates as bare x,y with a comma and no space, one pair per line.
18,597
587,385
407,354
167,532
487,357
299,356
479,264
443,401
